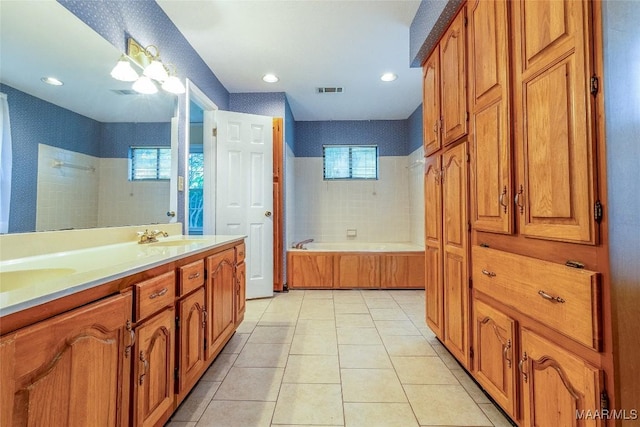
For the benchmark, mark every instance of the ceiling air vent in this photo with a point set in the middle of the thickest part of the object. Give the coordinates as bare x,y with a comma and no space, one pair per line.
329,90
125,91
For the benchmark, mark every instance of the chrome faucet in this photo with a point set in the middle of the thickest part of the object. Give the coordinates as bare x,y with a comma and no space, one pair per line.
149,237
300,245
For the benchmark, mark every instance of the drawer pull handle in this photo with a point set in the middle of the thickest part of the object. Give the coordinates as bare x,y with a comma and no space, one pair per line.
194,275
489,273
521,366
506,353
160,293
145,367
501,199
518,200
548,297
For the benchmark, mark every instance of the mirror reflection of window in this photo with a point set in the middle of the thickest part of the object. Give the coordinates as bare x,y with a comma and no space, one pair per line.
196,185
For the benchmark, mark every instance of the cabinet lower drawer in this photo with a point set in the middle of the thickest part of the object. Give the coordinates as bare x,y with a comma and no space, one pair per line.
565,299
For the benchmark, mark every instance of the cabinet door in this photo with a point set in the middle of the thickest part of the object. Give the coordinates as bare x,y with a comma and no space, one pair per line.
491,183
221,292
455,252
70,370
453,81
433,245
154,369
241,292
431,103
494,344
309,270
191,333
402,271
555,190
556,385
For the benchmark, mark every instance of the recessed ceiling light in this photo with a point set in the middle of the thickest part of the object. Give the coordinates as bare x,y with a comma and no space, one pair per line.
388,77
270,78
52,81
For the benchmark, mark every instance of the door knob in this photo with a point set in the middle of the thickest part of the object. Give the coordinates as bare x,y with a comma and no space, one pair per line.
267,214
171,214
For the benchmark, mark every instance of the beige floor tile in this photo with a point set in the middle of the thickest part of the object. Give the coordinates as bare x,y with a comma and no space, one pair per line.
354,321
317,313
220,367
381,303
225,413
309,404
407,295
396,327
495,416
362,336
387,314
271,335
251,384
316,327
354,298
364,356
369,294
196,402
181,424
444,354
407,345
416,308
312,369
445,405
247,326
278,319
423,370
472,388
351,308
260,304
263,356
379,414
418,320
371,385
318,294
236,343
314,344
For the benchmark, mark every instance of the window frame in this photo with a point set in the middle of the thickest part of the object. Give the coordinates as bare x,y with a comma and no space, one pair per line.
350,160
158,148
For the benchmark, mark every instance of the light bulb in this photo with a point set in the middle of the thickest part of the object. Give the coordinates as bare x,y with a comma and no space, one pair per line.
124,71
173,85
156,71
145,85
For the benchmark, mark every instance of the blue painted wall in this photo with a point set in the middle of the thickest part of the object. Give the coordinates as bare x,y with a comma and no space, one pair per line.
34,121
289,126
415,129
264,104
391,136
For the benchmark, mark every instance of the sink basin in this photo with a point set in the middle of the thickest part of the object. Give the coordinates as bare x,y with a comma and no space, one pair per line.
12,280
181,242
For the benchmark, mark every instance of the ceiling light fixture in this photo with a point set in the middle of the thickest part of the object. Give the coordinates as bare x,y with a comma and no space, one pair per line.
270,78
388,77
51,81
154,71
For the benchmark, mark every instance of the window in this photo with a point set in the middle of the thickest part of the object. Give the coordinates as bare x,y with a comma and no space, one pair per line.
350,161
150,163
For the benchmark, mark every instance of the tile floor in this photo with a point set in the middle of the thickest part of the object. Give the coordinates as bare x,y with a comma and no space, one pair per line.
336,358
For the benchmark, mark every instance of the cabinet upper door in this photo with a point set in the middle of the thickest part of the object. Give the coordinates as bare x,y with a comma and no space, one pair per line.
431,103
455,236
556,186
433,244
491,182
453,81
557,386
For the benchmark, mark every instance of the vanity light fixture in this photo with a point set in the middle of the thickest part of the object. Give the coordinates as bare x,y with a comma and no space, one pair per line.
270,78
123,70
51,81
388,77
154,71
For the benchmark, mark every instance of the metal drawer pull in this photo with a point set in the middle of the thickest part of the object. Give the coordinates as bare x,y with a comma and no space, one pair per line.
501,199
160,293
194,275
548,297
505,353
521,366
145,367
489,273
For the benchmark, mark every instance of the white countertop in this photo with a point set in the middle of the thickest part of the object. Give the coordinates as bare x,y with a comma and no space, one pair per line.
30,281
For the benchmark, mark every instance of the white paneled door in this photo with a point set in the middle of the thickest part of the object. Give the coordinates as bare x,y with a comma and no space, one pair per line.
244,191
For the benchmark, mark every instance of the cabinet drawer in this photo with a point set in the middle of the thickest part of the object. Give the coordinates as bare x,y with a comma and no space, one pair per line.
565,299
154,294
191,277
240,253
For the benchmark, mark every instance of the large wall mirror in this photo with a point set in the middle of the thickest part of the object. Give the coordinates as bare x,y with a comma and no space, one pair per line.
72,144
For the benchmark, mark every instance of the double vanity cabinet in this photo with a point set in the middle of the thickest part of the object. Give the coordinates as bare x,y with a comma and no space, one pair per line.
125,352
516,247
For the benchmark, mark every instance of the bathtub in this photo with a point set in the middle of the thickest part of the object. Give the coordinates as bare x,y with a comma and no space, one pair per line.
356,265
